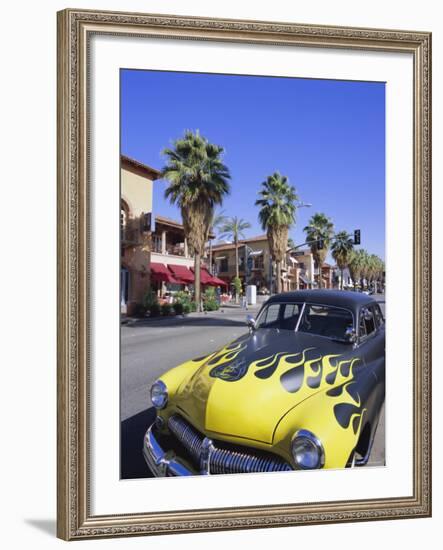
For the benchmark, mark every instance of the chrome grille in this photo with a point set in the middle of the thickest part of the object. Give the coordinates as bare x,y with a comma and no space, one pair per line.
225,459
190,438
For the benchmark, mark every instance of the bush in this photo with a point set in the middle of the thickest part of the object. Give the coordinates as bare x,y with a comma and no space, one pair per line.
178,308
237,286
150,299
210,302
186,308
154,310
193,306
166,309
182,297
211,305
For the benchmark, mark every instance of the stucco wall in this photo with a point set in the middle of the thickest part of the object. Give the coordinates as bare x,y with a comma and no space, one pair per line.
136,191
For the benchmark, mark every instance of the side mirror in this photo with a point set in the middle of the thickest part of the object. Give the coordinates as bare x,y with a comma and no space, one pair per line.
351,335
250,321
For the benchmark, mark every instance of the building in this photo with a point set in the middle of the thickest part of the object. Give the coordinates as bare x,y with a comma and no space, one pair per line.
257,248
136,180
172,263
298,269
308,272
255,264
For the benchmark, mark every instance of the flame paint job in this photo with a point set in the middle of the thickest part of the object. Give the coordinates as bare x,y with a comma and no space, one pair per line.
263,387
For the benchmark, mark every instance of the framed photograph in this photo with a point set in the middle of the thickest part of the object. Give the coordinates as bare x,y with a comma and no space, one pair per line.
244,314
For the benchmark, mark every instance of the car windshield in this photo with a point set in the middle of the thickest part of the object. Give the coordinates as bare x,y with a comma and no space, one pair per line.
328,321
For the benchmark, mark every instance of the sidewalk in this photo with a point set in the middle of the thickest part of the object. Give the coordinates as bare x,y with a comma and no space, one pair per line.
174,320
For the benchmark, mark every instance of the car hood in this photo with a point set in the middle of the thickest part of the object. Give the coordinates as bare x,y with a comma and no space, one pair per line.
244,389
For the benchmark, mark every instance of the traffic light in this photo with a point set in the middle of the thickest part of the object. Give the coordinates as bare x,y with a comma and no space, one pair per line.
357,236
320,244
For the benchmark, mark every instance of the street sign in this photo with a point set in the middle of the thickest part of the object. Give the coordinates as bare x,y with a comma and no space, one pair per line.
357,236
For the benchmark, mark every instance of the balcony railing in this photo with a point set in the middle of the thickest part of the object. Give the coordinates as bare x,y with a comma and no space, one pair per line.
130,233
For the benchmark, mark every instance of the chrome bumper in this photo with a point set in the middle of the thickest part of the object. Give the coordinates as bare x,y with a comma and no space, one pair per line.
160,463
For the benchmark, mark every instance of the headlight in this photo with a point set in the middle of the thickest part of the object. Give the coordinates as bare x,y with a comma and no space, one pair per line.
159,394
307,450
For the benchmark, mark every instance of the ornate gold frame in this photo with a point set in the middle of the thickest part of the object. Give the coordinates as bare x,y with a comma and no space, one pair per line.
74,30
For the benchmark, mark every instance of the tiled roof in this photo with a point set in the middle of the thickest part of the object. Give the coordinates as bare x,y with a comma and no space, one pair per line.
150,172
231,246
173,223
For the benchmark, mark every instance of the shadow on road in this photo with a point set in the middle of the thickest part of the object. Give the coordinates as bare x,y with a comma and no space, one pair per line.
192,322
132,463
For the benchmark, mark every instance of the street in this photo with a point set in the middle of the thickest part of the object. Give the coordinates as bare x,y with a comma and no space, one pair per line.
150,348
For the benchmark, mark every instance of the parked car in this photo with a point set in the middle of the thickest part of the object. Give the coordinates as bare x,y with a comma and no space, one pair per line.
302,390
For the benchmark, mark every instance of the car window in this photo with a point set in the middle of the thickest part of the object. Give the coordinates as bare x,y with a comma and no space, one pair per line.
378,316
269,316
367,322
281,316
331,322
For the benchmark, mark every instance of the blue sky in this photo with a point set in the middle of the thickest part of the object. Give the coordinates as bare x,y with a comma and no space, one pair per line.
326,136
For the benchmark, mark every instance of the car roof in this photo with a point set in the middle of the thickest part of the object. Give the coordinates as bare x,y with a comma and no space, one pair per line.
340,298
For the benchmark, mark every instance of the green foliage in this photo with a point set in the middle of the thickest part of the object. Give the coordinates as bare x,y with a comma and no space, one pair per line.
342,248
182,303
211,305
210,301
193,306
320,227
149,299
234,228
178,308
209,293
237,285
198,182
195,171
182,297
278,202
166,309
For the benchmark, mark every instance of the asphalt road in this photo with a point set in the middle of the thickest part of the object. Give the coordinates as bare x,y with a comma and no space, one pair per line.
149,349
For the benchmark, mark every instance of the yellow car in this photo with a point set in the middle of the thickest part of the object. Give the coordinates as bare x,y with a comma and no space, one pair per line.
302,390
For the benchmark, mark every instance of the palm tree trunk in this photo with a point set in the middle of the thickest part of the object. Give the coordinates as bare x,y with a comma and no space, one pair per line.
210,257
320,278
278,265
197,293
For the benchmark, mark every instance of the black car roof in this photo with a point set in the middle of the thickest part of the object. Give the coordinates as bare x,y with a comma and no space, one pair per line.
340,298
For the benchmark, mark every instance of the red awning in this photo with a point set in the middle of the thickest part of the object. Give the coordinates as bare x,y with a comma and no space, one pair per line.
182,273
159,272
207,279
219,282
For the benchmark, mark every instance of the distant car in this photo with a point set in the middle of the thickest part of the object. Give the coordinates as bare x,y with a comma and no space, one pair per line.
302,390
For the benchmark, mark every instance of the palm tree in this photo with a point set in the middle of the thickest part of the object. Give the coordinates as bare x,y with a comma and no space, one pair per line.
234,229
291,243
341,250
218,219
356,265
278,205
198,182
365,267
376,270
319,228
